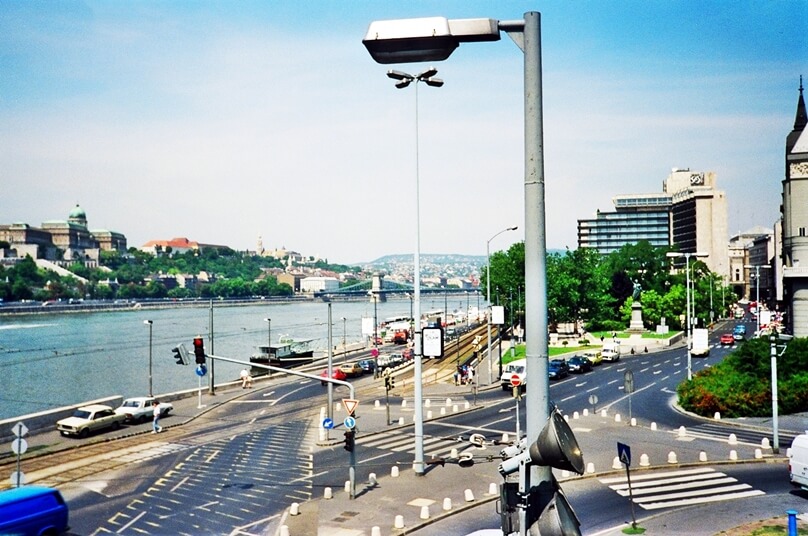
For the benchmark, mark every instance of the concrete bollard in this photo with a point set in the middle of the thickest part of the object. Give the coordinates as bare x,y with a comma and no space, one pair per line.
586,412
427,403
758,454
337,407
616,463
424,512
403,403
443,411
702,456
394,471
375,531
733,455
429,414
617,417
468,495
493,489
447,504
764,443
717,416
672,457
566,418
733,439
294,509
682,431
505,438
633,421
372,479
575,415
453,453
603,413
590,468
653,427
644,462
347,486
468,405
455,408
401,421
377,404
448,402
399,522
284,530
327,493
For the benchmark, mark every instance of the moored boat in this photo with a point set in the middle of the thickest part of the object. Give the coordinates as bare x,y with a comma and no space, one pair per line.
286,354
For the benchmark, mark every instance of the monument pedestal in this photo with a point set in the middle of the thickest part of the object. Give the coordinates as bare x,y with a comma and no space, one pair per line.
636,326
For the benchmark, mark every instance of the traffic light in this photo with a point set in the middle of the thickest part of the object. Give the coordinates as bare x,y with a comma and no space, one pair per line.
350,440
199,350
389,383
181,354
546,510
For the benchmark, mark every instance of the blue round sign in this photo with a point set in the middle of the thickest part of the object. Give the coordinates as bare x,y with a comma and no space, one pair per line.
201,370
349,422
328,424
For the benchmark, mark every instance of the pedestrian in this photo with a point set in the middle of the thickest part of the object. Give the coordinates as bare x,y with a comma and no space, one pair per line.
457,376
246,379
156,428
601,338
471,375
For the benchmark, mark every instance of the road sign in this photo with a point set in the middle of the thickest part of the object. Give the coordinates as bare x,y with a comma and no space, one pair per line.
432,339
349,422
516,381
19,445
201,370
20,430
628,381
18,479
350,405
593,399
328,424
624,454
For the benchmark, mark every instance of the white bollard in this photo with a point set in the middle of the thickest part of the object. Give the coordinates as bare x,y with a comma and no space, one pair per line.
375,531
616,417
401,421
377,404
424,512
566,418
443,411
399,522
372,479
347,486
447,504
717,416
468,405
505,438
453,453
429,414
427,403
322,413
702,456
448,402
284,530
394,471
644,462
733,455
733,439
590,468
403,403
337,406
468,495
493,489
327,493
323,434
682,431
603,413
653,427
455,408
586,413
633,421
616,464
294,509
758,454
672,457
575,415
764,443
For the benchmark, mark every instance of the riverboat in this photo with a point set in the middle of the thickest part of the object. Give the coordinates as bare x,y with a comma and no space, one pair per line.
286,354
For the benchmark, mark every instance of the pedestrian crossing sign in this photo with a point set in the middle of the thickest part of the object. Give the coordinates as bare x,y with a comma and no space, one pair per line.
624,454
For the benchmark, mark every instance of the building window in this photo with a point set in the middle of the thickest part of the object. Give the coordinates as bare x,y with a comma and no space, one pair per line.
737,274
802,231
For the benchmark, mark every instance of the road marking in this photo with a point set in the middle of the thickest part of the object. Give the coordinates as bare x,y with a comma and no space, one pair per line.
212,456
134,520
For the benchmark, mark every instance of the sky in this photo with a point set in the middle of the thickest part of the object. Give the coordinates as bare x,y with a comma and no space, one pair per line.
228,121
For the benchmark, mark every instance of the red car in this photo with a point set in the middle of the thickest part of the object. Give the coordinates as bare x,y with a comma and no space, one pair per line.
727,339
336,374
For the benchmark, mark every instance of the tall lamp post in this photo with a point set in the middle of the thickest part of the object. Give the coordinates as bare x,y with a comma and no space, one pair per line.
757,268
344,351
488,297
269,338
675,254
404,80
149,323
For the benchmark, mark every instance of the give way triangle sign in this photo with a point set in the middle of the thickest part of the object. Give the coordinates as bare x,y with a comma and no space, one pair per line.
350,405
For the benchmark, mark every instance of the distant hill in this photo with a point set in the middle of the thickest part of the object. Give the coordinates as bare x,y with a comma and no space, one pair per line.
433,258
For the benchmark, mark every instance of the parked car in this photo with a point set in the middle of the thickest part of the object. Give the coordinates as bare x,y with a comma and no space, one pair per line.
336,374
727,339
368,366
383,361
92,418
139,409
739,332
396,359
594,356
562,364
351,370
555,371
579,364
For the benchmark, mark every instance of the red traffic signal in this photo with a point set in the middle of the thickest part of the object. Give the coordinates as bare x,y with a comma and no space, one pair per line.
199,350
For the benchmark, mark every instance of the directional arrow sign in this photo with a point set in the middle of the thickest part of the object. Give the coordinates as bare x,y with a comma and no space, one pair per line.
328,424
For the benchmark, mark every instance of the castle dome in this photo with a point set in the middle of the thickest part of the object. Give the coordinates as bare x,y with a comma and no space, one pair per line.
78,213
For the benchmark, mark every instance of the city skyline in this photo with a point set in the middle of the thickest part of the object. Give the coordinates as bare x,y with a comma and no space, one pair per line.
223,123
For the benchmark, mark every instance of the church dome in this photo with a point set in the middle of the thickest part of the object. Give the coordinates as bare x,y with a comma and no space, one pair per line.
78,213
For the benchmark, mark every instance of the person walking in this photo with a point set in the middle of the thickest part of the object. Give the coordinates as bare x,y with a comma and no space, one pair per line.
156,428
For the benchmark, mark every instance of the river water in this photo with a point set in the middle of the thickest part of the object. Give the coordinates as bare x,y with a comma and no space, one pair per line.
50,361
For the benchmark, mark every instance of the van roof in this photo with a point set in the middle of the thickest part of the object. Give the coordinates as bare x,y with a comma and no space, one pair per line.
13,495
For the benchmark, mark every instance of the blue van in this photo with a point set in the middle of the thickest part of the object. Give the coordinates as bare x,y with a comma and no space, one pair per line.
33,511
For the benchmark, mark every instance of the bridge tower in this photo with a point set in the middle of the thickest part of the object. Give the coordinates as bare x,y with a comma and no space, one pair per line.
377,288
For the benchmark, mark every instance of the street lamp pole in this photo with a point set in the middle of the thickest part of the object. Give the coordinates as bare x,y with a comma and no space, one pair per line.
149,323
757,268
344,351
687,293
404,80
488,298
269,334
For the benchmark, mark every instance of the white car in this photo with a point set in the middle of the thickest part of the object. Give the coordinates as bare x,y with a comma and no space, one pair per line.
88,419
139,409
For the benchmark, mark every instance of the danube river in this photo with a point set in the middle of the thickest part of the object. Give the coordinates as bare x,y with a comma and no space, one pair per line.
50,361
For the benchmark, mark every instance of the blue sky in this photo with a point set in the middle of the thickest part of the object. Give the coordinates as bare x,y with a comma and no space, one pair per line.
226,121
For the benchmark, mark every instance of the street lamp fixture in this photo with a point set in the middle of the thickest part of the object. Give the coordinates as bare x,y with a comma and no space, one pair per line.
675,254
149,323
488,298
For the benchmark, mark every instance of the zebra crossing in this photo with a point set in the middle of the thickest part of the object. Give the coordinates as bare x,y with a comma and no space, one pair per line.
681,488
404,442
744,436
